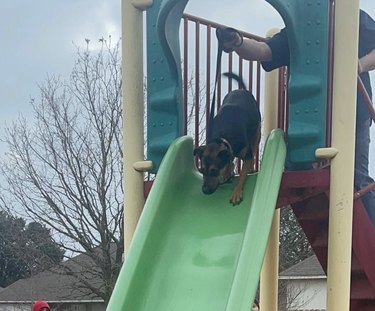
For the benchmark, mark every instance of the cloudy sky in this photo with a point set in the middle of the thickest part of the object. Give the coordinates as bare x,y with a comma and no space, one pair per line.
39,37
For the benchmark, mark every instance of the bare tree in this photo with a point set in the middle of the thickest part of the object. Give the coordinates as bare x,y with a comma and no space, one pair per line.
294,248
296,295
196,117
65,170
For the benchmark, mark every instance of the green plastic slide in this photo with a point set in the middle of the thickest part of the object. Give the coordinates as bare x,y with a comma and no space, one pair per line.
197,252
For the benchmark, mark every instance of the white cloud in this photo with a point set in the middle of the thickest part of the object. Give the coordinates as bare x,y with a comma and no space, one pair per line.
256,16
37,38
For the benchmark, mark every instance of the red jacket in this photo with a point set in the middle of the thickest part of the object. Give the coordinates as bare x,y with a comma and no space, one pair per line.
39,305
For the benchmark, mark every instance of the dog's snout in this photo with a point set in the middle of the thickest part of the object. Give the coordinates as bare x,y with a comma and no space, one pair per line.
209,185
208,190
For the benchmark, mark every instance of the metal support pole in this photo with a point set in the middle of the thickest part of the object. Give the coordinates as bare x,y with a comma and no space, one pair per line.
270,269
132,78
342,165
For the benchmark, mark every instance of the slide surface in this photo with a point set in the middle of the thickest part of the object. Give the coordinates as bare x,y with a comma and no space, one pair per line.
197,252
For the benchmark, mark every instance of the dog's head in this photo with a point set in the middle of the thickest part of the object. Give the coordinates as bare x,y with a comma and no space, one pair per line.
215,163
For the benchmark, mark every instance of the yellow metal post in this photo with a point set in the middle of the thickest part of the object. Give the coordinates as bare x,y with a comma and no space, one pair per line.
270,269
342,165
132,65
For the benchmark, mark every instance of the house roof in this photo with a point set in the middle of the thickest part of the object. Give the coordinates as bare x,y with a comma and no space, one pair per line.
55,284
308,268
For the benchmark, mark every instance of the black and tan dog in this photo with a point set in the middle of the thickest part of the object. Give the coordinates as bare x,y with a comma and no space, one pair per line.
234,132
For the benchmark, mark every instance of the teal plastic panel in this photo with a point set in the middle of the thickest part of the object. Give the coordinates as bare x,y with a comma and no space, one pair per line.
164,82
195,252
307,27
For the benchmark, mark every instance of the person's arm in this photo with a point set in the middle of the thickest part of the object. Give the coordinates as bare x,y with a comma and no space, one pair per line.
249,49
253,50
367,62
274,53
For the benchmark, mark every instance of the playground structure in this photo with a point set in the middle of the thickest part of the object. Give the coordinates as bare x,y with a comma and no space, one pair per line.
195,252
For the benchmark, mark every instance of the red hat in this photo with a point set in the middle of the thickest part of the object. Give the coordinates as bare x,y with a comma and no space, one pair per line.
39,305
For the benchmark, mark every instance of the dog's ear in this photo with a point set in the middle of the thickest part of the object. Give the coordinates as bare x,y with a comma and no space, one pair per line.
199,151
224,156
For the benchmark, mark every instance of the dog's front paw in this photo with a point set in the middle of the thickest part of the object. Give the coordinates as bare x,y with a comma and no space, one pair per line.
236,197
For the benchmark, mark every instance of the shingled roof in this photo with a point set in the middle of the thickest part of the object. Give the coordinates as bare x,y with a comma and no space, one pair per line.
56,284
309,268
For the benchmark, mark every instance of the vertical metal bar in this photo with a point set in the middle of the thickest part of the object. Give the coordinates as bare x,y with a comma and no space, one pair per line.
196,97
133,115
258,83
286,99
330,74
269,273
342,165
251,73
218,91
282,100
185,64
230,69
208,75
240,67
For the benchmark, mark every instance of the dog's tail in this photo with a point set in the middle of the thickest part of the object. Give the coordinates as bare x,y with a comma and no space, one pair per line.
231,75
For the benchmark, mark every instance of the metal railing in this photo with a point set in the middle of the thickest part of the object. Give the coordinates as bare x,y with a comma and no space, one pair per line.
199,53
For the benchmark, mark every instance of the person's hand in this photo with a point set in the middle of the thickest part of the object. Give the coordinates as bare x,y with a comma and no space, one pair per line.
229,38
